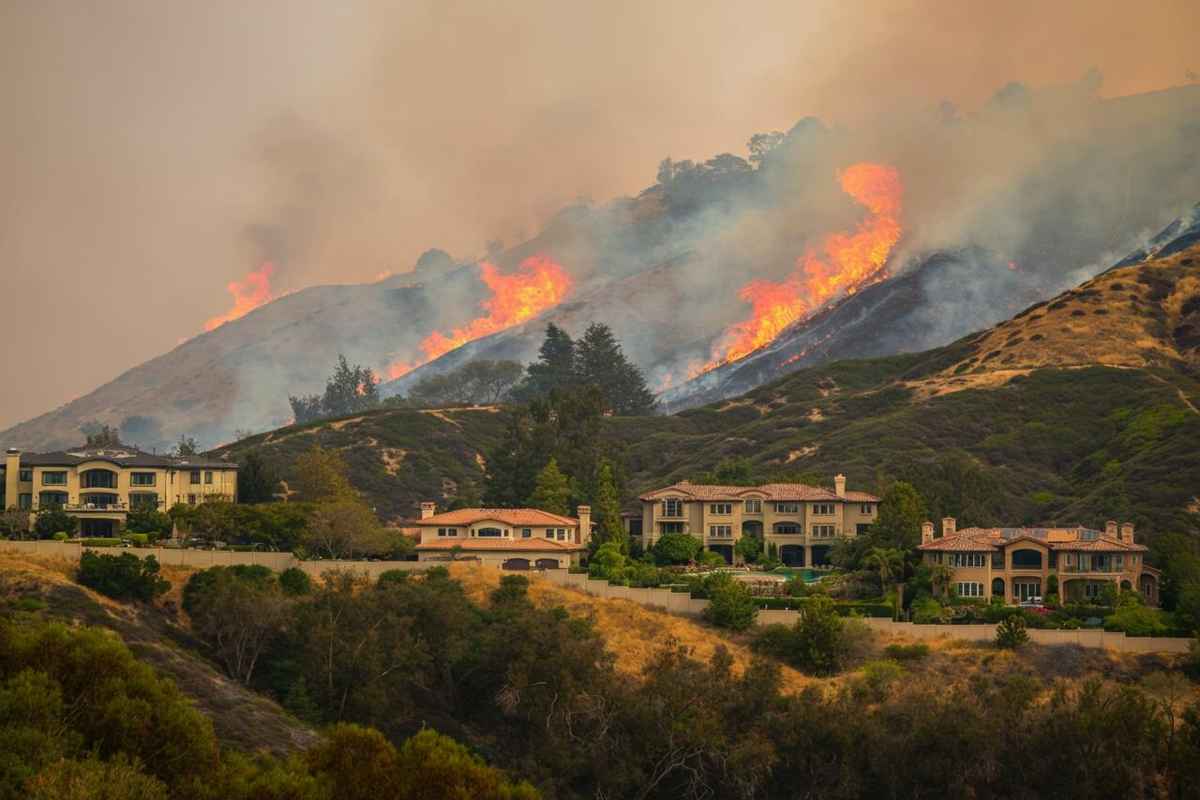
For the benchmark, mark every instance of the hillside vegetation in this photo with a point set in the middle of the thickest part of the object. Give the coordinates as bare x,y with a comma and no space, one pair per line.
1077,410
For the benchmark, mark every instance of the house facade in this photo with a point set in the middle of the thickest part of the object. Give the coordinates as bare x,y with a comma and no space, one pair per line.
100,485
510,538
801,521
1017,564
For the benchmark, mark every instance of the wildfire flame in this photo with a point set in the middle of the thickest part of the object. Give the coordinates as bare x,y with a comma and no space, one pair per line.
538,284
851,260
248,294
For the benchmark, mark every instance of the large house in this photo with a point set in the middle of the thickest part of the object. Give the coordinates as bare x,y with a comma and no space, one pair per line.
801,521
511,538
100,485
1016,564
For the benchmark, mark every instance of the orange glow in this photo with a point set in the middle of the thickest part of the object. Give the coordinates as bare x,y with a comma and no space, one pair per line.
538,284
248,295
851,261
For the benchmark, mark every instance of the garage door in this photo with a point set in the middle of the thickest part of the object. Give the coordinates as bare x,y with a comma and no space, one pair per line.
516,563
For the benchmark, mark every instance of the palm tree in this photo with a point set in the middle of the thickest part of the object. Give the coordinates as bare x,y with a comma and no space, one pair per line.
889,561
940,575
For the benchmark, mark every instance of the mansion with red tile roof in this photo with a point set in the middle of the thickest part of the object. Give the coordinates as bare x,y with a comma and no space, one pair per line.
511,538
802,522
1017,564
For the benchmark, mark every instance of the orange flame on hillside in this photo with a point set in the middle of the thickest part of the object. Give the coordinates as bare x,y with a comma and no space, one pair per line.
851,261
248,295
538,284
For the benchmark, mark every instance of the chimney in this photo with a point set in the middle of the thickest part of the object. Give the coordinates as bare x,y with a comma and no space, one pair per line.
839,485
949,526
585,524
427,510
1110,529
12,471
1127,533
926,532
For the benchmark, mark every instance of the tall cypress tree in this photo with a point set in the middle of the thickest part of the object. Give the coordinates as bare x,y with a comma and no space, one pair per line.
600,362
607,508
553,491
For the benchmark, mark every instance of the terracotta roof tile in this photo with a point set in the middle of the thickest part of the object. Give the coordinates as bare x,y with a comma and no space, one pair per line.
1066,539
528,517
798,492
471,543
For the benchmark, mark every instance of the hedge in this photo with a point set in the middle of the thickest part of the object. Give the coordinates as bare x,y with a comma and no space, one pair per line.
101,542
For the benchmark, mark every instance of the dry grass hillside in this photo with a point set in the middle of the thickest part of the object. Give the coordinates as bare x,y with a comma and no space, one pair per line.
1140,316
241,718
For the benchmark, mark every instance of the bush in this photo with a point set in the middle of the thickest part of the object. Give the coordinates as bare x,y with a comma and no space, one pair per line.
61,536
928,611
138,539
676,548
123,576
820,643
707,558
149,520
101,541
907,652
1011,633
295,581
730,603
607,562
50,521
878,676
1138,620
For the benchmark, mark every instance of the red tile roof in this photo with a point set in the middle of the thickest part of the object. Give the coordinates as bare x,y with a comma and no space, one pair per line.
472,543
528,517
1066,539
768,491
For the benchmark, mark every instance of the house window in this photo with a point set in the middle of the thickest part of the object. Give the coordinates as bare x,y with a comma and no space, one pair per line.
25,501
822,509
671,527
866,509
787,508
191,499
52,499
447,531
968,559
862,527
489,533
143,500
526,533
25,476
54,479
822,531
195,476
208,476
754,506
672,508
562,534
720,509
142,479
787,528
969,589
720,531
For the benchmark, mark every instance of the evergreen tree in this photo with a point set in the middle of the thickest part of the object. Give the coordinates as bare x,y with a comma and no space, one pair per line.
554,369
607,508
511,470
901,512
350,389
600,362
256,480
553,490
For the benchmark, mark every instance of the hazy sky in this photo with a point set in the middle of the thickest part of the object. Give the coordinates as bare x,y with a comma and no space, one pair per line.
154,150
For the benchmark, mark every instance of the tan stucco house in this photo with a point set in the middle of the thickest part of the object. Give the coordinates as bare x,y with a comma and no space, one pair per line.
802,521
99,485
1016,563
511,538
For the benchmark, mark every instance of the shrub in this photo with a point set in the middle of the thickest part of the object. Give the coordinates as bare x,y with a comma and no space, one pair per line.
607,562
149,520
1137,620
392,577
1011,633
50,521
907,652
730,603
139,539
928,611
123,576
295,581
676,548
707,558
878,676
820,643
61,536
101,541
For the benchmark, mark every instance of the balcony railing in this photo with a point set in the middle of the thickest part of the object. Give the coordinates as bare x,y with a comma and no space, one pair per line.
1108,569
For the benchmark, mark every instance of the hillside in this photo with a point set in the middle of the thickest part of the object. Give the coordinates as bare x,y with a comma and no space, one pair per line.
665,269
1079,409
241,718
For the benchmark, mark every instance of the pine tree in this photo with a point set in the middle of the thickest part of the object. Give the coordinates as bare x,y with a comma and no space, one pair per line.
600,362
553,491
607,508
555,367
511,469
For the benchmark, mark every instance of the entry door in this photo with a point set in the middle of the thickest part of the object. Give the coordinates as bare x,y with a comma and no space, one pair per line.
1023,590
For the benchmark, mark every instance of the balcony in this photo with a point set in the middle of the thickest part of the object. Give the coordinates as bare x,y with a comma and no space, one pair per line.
1093,569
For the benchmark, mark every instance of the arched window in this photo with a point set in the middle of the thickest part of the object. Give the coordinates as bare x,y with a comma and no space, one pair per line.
1027,559
98,479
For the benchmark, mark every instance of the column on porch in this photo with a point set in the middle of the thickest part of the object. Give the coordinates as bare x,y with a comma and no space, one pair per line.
808,562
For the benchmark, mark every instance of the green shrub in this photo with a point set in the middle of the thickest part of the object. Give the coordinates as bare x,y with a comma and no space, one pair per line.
1011,633
907,652
1137,620
607,562
878,675
295,581
61,536
820,643
123,576
138,539
676,548
730,603
389,578
928,611
50,521
101,541
707,558
149,521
